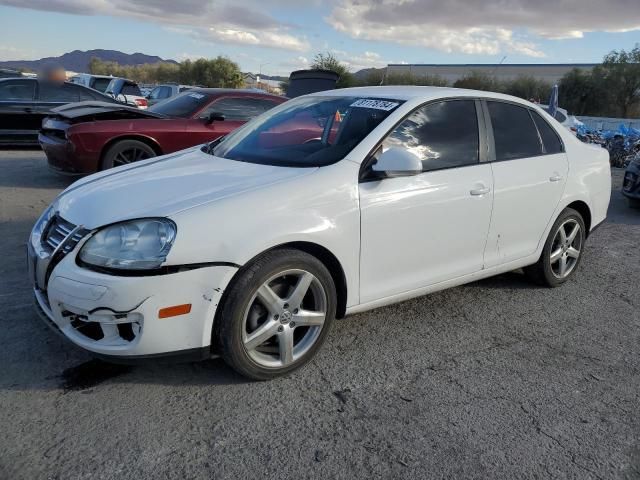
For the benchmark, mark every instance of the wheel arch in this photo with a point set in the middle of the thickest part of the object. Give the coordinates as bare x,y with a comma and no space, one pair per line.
323,254
583,209
151,142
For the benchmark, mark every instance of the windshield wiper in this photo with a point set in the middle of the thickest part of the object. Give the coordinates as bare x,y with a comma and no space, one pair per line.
208,148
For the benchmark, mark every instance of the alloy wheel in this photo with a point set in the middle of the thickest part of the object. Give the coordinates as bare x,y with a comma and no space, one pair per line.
284,318
566,248
129,155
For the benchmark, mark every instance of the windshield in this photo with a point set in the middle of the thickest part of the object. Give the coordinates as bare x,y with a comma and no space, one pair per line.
183,105
307,131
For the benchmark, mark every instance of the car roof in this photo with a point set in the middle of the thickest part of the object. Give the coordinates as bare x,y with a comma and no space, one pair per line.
406,92
234,91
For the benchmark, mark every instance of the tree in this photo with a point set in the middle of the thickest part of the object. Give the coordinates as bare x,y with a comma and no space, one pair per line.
327,61
219,72
581,93
620,73
476,80
527,87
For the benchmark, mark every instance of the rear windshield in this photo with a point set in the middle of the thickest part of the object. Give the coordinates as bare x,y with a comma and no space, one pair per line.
183,105
307,131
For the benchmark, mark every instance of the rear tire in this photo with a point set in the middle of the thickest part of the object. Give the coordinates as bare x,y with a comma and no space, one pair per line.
125,152
562,251
276,315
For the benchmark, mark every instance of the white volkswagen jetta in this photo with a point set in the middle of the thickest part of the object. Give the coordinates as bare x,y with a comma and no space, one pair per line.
327,205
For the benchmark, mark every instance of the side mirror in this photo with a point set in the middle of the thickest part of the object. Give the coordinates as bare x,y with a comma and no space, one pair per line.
397,162
213,117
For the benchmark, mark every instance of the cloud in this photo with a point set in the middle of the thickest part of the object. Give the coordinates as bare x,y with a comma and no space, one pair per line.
242,23
485,27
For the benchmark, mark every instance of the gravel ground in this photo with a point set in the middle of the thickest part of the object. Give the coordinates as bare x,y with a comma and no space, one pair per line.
496,379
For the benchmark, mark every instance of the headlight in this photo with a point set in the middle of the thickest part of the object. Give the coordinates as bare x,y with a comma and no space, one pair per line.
133,245
42,222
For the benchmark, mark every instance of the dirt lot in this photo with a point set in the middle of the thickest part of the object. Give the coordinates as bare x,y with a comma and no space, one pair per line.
497,379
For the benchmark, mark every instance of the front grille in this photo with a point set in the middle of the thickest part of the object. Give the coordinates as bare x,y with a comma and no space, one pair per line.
57,231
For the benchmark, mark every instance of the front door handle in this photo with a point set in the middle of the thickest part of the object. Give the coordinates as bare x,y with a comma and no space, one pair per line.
555,178
480,191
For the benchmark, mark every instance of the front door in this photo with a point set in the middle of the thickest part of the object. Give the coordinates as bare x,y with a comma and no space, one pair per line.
424,229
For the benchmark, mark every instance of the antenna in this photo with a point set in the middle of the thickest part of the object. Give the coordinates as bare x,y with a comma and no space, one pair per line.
501,61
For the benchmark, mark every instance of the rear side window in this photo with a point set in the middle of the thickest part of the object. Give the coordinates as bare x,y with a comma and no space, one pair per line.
442,135
21,90
514,132
100,84
131,89
550,139
58,93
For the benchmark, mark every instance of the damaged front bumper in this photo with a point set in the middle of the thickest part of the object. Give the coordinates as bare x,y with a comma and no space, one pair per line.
118,316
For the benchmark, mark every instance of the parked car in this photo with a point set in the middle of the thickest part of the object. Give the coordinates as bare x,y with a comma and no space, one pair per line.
25,102
162,92
631,183
84,138
126,91
97,82
327,205
8,73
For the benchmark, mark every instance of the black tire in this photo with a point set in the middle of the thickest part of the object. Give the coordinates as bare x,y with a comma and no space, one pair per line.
240,298
542,271
124,152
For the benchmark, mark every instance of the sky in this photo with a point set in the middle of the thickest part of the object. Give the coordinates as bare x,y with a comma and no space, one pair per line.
275,37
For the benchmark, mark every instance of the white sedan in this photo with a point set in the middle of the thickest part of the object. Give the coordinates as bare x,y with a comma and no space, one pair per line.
330,204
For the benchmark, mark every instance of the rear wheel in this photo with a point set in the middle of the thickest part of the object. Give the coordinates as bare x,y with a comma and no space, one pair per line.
562,251
125,152
634,202
277,314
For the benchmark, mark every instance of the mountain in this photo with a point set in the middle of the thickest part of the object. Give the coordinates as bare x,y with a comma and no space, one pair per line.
78,61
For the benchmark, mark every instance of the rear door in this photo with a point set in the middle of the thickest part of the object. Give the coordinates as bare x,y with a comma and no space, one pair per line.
529,172
19,121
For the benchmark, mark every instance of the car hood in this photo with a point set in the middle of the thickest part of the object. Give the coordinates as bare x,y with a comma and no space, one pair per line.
90,111
164,186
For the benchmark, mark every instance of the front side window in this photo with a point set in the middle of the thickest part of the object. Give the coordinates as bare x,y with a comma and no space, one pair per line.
441,135
307,131
550,139
240,109
20,90
514,132
183,105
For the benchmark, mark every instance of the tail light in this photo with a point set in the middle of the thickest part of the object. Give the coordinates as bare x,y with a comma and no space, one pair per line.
142,102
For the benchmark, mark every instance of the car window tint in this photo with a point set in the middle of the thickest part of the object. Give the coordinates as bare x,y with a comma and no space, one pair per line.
131,89
550,139
100,84
22,90
59,93
241,109
514,131
155,93
442,135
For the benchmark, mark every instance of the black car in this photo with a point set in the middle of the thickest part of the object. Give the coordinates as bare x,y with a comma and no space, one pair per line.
24,102
631,185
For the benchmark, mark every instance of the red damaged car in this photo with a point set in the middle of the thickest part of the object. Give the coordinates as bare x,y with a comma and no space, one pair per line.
87,137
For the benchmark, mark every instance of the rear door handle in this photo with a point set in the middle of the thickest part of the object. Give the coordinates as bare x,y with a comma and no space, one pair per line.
480,191
555,178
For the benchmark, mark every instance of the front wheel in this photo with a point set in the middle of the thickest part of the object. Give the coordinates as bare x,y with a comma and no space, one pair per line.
277,314
125,152
562,251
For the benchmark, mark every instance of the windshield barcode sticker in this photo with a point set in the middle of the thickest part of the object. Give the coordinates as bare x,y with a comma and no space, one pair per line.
377,104
197,96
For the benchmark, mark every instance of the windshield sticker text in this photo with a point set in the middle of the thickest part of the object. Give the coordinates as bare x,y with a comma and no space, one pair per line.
376,104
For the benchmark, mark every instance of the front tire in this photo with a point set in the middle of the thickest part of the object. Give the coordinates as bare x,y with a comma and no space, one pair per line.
562,251
277,314
125,152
